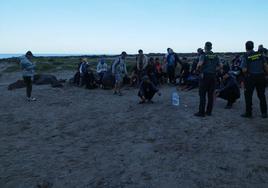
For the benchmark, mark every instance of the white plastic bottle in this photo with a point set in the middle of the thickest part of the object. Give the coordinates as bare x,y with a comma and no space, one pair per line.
175,99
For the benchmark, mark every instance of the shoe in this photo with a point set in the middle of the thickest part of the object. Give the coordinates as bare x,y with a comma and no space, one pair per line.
120,94
115,92
246,115
150,102
141,102
198,114
264,116
208,113
30,99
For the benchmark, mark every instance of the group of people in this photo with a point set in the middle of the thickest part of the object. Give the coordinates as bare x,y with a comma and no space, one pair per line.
206,72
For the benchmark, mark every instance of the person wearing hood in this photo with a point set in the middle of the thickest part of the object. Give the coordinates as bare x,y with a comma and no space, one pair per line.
147,90
28,70
230,89
102,68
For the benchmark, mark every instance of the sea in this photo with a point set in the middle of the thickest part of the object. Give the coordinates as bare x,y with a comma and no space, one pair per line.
4,56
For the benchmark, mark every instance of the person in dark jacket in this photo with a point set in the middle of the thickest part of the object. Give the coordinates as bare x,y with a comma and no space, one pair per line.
230,89
147,90
151,71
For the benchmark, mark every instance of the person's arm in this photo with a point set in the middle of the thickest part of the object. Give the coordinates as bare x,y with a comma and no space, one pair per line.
98,68
265,64
113,67
244,65
219,64
145,62
125,66
200,62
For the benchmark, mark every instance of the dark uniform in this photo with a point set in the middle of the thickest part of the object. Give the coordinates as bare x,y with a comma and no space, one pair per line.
207,81
254,62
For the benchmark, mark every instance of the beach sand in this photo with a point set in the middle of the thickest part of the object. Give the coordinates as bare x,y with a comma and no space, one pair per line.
72,137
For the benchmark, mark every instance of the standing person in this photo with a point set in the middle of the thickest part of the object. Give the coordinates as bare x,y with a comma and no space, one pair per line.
172,60
147,90
142,63
102,68
119,70
208,65
254,66
28,71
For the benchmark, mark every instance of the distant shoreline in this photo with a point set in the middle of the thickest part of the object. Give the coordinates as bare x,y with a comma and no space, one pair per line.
9,56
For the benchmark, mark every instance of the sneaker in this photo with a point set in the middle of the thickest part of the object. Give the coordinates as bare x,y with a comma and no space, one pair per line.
246,115
264,116
198,114
208,113
141,102
30,99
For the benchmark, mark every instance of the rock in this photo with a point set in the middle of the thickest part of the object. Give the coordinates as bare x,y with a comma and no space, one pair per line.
44,79
17,85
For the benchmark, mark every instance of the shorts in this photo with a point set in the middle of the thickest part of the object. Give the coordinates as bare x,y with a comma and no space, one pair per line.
118,78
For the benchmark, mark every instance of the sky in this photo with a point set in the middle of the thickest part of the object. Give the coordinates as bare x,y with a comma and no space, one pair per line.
111,26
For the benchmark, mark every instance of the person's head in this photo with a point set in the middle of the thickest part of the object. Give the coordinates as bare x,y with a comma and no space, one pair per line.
29,55
84,60
200,51
168,50
225,70
157,60
151,60
140,52
208,46
123,55
102,60
249,45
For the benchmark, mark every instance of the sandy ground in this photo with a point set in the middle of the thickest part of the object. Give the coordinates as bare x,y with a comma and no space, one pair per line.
73,137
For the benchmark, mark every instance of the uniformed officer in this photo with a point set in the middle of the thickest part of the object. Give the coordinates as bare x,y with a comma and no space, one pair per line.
254,66
208,65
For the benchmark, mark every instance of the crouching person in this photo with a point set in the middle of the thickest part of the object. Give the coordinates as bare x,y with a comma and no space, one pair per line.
230,90
147,90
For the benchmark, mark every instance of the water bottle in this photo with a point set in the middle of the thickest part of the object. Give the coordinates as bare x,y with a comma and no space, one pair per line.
175,99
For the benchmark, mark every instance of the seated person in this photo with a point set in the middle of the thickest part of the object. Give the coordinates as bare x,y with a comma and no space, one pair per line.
147,90
76,80
102,67
185,72
134,77
83,71
230,89
89,79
